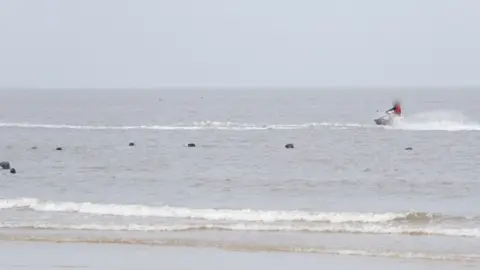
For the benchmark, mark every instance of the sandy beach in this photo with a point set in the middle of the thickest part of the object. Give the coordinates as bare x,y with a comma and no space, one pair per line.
44,256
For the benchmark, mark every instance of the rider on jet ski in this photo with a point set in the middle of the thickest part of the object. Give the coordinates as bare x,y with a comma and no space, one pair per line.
397,109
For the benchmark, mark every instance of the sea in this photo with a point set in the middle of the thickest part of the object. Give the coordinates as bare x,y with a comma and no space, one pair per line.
106,179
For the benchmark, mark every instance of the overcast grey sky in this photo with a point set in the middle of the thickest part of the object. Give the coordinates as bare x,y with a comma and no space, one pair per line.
152,43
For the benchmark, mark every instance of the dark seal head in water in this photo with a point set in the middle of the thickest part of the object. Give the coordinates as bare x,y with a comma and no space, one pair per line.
5,165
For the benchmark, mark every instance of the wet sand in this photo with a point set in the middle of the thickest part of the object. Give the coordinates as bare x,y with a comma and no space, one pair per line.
43,256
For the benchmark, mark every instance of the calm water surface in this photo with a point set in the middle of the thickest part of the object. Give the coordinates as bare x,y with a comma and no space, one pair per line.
347,188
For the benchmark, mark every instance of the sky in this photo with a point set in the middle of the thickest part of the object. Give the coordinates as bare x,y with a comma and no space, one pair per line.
193,43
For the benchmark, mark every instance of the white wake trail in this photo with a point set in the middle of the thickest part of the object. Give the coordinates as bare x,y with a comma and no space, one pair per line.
203,125
437,121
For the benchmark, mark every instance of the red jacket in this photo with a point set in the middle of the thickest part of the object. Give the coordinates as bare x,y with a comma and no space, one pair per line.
396,110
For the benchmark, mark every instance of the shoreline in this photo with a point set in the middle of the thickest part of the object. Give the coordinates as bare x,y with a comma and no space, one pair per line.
43,255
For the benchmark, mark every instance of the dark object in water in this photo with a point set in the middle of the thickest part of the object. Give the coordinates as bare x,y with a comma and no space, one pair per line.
5,165
409,148
59,149
190,145
13,171
131,144
289,146
34,148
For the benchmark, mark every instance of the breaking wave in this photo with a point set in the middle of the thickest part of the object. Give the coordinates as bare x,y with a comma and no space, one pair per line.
212,214
171,219
313,228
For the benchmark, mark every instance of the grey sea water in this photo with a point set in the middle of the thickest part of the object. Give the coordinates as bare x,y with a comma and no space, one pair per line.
348,188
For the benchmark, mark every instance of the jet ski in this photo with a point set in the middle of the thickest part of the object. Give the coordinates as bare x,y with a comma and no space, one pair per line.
387,120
